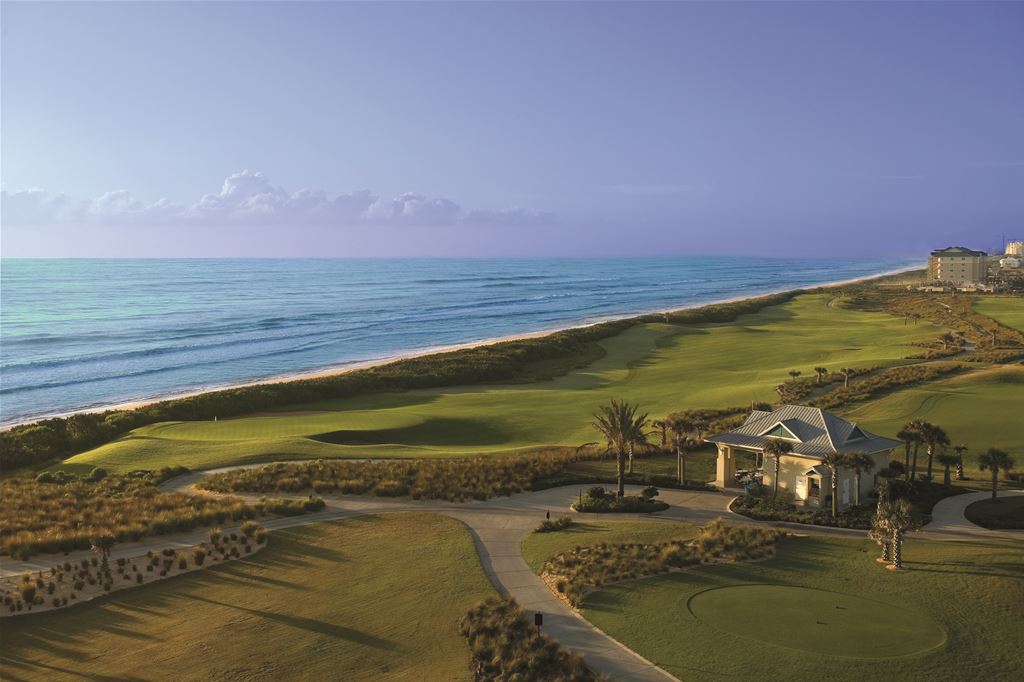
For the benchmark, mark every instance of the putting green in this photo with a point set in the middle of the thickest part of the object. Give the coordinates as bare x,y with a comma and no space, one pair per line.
817,621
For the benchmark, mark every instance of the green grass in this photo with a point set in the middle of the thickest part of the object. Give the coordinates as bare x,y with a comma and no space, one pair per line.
663,367
1003,512
539,547
973,592
367,598
1005,310
816,621
976,409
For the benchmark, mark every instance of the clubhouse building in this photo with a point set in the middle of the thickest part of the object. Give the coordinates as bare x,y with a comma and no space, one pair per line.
812,433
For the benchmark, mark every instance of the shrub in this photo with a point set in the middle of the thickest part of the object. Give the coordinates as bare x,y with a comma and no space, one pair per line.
215,534
249,528
198,556
613,504
505,646
547,525
182,563
649,493
28,593
584,569
138,578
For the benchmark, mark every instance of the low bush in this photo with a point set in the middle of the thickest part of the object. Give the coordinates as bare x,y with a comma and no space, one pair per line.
285,507
506,647
598,500
579,572
547,525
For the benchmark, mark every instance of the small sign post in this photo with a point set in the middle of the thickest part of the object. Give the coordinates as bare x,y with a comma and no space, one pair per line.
538,620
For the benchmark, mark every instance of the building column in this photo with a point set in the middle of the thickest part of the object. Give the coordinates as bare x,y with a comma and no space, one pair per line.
725,470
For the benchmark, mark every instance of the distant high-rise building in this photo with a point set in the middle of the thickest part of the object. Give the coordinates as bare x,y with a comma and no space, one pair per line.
958,265
1015,248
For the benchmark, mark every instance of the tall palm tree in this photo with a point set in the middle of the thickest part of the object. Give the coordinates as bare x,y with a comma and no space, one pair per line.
860,463
776,448
681,428
622,428
960,450
947,461
834,460
934,437
919,427
898,519
996,460
847,372
909,436
821,372
661,426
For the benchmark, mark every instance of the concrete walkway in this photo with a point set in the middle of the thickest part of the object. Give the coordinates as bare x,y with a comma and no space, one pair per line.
948,518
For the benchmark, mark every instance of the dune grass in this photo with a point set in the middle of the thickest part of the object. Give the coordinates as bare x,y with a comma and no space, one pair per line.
945,619
361,599
663,367
1008,310
976,409
539,547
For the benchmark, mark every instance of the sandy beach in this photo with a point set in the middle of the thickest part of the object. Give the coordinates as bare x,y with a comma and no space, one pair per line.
337,370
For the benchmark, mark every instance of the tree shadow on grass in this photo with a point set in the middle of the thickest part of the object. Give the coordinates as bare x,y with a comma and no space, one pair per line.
312,625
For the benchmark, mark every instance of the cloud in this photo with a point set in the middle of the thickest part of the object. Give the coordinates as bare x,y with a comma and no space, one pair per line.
249,198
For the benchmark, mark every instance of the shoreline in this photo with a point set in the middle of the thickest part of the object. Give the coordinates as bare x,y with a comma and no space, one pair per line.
337,370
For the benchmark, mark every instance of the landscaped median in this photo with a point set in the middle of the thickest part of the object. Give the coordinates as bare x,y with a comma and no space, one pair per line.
575,574
70,583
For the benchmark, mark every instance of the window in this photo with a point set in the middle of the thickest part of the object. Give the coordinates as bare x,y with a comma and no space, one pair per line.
780,431
856,434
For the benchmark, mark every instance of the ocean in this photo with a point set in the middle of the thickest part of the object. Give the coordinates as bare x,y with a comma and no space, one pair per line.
81,334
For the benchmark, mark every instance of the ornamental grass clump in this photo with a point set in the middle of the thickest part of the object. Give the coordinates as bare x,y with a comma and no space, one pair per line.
455,479
548,526
505,647
67,512
577,573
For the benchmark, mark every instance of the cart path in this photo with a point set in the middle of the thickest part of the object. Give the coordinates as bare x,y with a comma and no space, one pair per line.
948,517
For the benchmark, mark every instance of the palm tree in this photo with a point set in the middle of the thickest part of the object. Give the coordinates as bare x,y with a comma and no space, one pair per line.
102,544
919,427
622,428
834,460
909,436
933,437
661,426
846,372
776,448
880,533
821,372
960,450
996,460
861,463
898,519
947,461
794,373
681,427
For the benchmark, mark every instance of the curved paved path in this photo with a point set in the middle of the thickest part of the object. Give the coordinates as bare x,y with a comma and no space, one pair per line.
948,517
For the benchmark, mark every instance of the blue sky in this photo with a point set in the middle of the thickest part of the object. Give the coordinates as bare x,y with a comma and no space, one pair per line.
347,129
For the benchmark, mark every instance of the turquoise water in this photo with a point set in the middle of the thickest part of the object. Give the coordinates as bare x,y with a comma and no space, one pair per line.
77,334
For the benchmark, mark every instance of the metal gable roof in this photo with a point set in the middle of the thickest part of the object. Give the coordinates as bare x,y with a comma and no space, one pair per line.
820,432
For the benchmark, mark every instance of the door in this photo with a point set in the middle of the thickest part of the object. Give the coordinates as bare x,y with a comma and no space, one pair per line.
801,487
